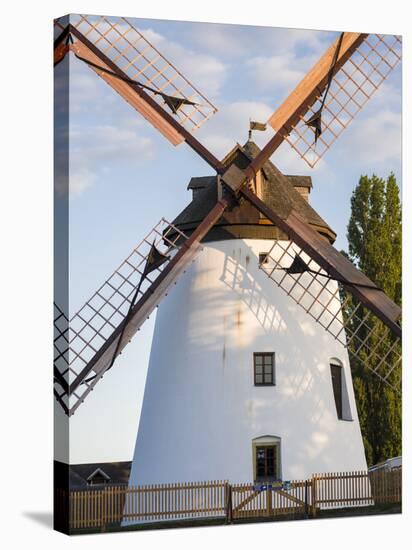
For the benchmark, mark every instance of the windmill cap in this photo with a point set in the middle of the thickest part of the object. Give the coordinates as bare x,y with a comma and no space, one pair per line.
244,221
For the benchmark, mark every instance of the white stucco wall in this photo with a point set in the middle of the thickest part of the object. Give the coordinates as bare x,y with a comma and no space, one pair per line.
201,409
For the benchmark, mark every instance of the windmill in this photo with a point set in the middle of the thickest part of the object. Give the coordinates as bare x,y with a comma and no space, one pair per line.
250,229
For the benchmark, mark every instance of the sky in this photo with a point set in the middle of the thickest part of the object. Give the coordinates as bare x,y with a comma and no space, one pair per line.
124,176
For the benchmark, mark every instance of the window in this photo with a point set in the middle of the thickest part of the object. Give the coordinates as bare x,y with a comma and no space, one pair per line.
336,373
341,381
266,458
98,477
265,463
264,369
97,480
263,258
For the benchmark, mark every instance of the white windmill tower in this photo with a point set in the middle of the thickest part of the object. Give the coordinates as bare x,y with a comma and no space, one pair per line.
248,380
242,384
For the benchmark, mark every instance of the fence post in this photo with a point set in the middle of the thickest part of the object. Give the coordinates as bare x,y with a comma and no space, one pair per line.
305,513
314,494
228,502
103,511
268,501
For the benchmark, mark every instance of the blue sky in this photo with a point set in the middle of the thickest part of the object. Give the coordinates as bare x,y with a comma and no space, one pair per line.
124,176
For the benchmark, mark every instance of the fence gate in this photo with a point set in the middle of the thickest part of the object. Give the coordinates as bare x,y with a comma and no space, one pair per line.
250,501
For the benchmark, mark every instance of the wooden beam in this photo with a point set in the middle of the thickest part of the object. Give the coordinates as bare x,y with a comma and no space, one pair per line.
291,498
60,52
304,95
247,500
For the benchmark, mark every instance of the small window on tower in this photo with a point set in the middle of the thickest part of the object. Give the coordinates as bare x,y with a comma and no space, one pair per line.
263,258
336,373
264,369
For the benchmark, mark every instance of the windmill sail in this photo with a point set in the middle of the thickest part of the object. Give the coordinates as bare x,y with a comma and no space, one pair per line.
139,60
356,312
87,343
335,264
368,340
363,64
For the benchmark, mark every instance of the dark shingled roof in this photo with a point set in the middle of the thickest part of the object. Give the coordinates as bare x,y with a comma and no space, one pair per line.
118,472
244,221
300,181
75,476
201,182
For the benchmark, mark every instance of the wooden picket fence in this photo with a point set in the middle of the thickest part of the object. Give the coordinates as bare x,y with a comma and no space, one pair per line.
347,489
115,506
386,486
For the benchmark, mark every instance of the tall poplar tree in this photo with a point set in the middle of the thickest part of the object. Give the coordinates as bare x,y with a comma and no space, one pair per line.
375,246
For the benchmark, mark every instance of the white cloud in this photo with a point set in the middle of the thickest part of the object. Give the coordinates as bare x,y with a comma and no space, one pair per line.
102,143
89,94
276,71
104,131
285,40
389,94
376,139
152,36
80,180
289,162
96,148
286,55
204,71
279,71
223,40
237,40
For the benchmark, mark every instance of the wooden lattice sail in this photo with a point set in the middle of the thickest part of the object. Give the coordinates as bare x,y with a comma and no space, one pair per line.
86,344
363,64
114,43
368,340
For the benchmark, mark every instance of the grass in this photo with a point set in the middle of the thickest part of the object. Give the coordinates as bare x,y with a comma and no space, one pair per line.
378,509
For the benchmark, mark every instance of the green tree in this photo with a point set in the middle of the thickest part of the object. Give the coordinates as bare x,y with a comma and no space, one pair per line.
375,246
